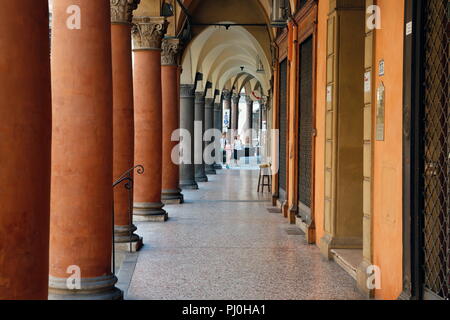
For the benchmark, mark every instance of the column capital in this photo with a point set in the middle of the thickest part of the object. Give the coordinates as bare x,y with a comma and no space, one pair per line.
217,106
209,103
148,32
248,99
122,11
187,90
235,97
226,94
199,97
170,50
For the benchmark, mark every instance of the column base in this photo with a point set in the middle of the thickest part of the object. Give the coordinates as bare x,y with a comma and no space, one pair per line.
173,196
328,242
188,185
124,242
210,170
201,179
100,288
218,166
150,212
361,279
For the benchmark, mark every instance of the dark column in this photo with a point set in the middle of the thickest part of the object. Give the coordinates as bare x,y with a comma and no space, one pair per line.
227,107
234,115
187,107
248,122
218,125
199,146
209,124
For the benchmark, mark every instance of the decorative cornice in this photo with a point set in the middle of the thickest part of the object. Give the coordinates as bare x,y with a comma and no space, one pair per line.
148,32
170,49
122,10
187,91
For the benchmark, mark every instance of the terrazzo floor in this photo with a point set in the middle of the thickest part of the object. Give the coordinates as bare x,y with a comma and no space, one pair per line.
224,244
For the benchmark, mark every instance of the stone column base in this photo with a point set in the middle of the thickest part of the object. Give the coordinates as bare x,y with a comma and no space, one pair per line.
172,196
125,238
188,185
309,230
218,166
328,242
361,279
209,169
146,211
201,179
100,288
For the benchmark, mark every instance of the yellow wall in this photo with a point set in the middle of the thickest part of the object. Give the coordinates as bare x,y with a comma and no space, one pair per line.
320,117
387,165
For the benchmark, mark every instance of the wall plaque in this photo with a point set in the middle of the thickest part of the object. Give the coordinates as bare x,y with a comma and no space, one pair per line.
380,117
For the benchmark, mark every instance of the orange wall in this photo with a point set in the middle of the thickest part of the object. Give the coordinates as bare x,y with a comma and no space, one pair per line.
387,165
320,117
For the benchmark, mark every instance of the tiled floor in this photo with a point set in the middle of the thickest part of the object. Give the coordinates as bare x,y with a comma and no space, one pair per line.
224,244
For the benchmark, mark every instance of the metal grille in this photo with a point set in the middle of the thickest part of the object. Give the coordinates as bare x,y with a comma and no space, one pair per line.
305,129
436,230
283,127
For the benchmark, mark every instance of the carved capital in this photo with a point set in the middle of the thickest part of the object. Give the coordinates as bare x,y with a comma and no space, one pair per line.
187,90
170,49
148,32
248,99
226,94
235,98
122,10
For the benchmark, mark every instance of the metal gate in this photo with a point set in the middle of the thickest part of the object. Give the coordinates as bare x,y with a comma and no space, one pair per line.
305,130
283,130
436,126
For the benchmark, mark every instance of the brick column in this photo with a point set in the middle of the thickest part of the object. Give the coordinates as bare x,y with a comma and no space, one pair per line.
170,75
25,139
123,121
82,152
147,36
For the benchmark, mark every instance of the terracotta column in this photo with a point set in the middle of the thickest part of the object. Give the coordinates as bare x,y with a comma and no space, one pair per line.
171,193
200,175
123,121
82,152
25,133
218,125
147,36
209,124
234,115
187,169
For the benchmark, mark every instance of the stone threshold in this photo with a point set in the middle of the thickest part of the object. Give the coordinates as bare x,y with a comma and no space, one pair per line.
348,259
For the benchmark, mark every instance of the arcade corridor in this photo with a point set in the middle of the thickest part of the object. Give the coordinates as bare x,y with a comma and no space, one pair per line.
224,244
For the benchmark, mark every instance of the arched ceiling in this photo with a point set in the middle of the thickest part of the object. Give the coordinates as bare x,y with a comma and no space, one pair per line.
220,53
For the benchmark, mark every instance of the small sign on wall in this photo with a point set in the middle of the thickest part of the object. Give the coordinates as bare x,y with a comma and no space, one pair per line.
380,116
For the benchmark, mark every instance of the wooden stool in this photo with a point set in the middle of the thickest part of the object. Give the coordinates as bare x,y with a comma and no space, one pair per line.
265,176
